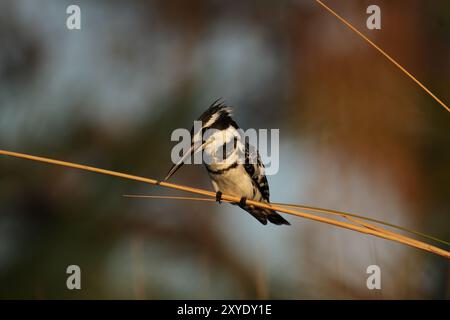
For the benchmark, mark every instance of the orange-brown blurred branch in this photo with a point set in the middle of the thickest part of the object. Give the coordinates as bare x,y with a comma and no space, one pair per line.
366,228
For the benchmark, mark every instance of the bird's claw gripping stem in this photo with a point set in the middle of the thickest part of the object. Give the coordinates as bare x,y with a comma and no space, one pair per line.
219,197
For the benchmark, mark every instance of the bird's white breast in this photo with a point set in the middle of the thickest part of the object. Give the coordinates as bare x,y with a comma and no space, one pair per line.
213,152
235,182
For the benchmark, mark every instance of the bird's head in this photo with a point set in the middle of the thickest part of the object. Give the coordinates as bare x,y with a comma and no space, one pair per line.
217,118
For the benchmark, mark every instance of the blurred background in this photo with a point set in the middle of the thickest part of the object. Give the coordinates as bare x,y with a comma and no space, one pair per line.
355,135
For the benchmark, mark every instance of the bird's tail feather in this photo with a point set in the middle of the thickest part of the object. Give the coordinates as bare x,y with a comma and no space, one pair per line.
275,218
262,215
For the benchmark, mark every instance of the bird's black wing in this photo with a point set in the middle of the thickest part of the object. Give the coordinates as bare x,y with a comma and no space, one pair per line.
255,169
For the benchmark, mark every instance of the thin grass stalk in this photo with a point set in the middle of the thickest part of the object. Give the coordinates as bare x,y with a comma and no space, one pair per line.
345,215
362,229
398,65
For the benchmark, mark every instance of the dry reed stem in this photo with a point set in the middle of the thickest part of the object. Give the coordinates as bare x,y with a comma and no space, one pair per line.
375,231
172,198
345,215
349,25
348,215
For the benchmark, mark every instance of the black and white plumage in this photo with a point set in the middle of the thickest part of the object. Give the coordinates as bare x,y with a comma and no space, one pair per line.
235,167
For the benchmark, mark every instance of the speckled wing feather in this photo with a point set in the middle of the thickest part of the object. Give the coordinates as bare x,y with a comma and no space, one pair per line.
256,170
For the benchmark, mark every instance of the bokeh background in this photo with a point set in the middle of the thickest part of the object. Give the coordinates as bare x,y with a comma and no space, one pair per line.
356,135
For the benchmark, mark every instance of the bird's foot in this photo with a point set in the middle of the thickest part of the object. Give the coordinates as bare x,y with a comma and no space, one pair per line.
219,197
243,201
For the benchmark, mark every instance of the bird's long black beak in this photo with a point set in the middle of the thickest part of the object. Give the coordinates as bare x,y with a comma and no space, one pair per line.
192,150
173,169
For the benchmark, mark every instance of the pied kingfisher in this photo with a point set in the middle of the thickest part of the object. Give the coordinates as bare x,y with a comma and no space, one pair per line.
229,174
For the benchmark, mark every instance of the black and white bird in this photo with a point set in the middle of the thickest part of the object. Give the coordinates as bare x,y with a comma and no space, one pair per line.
235,167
